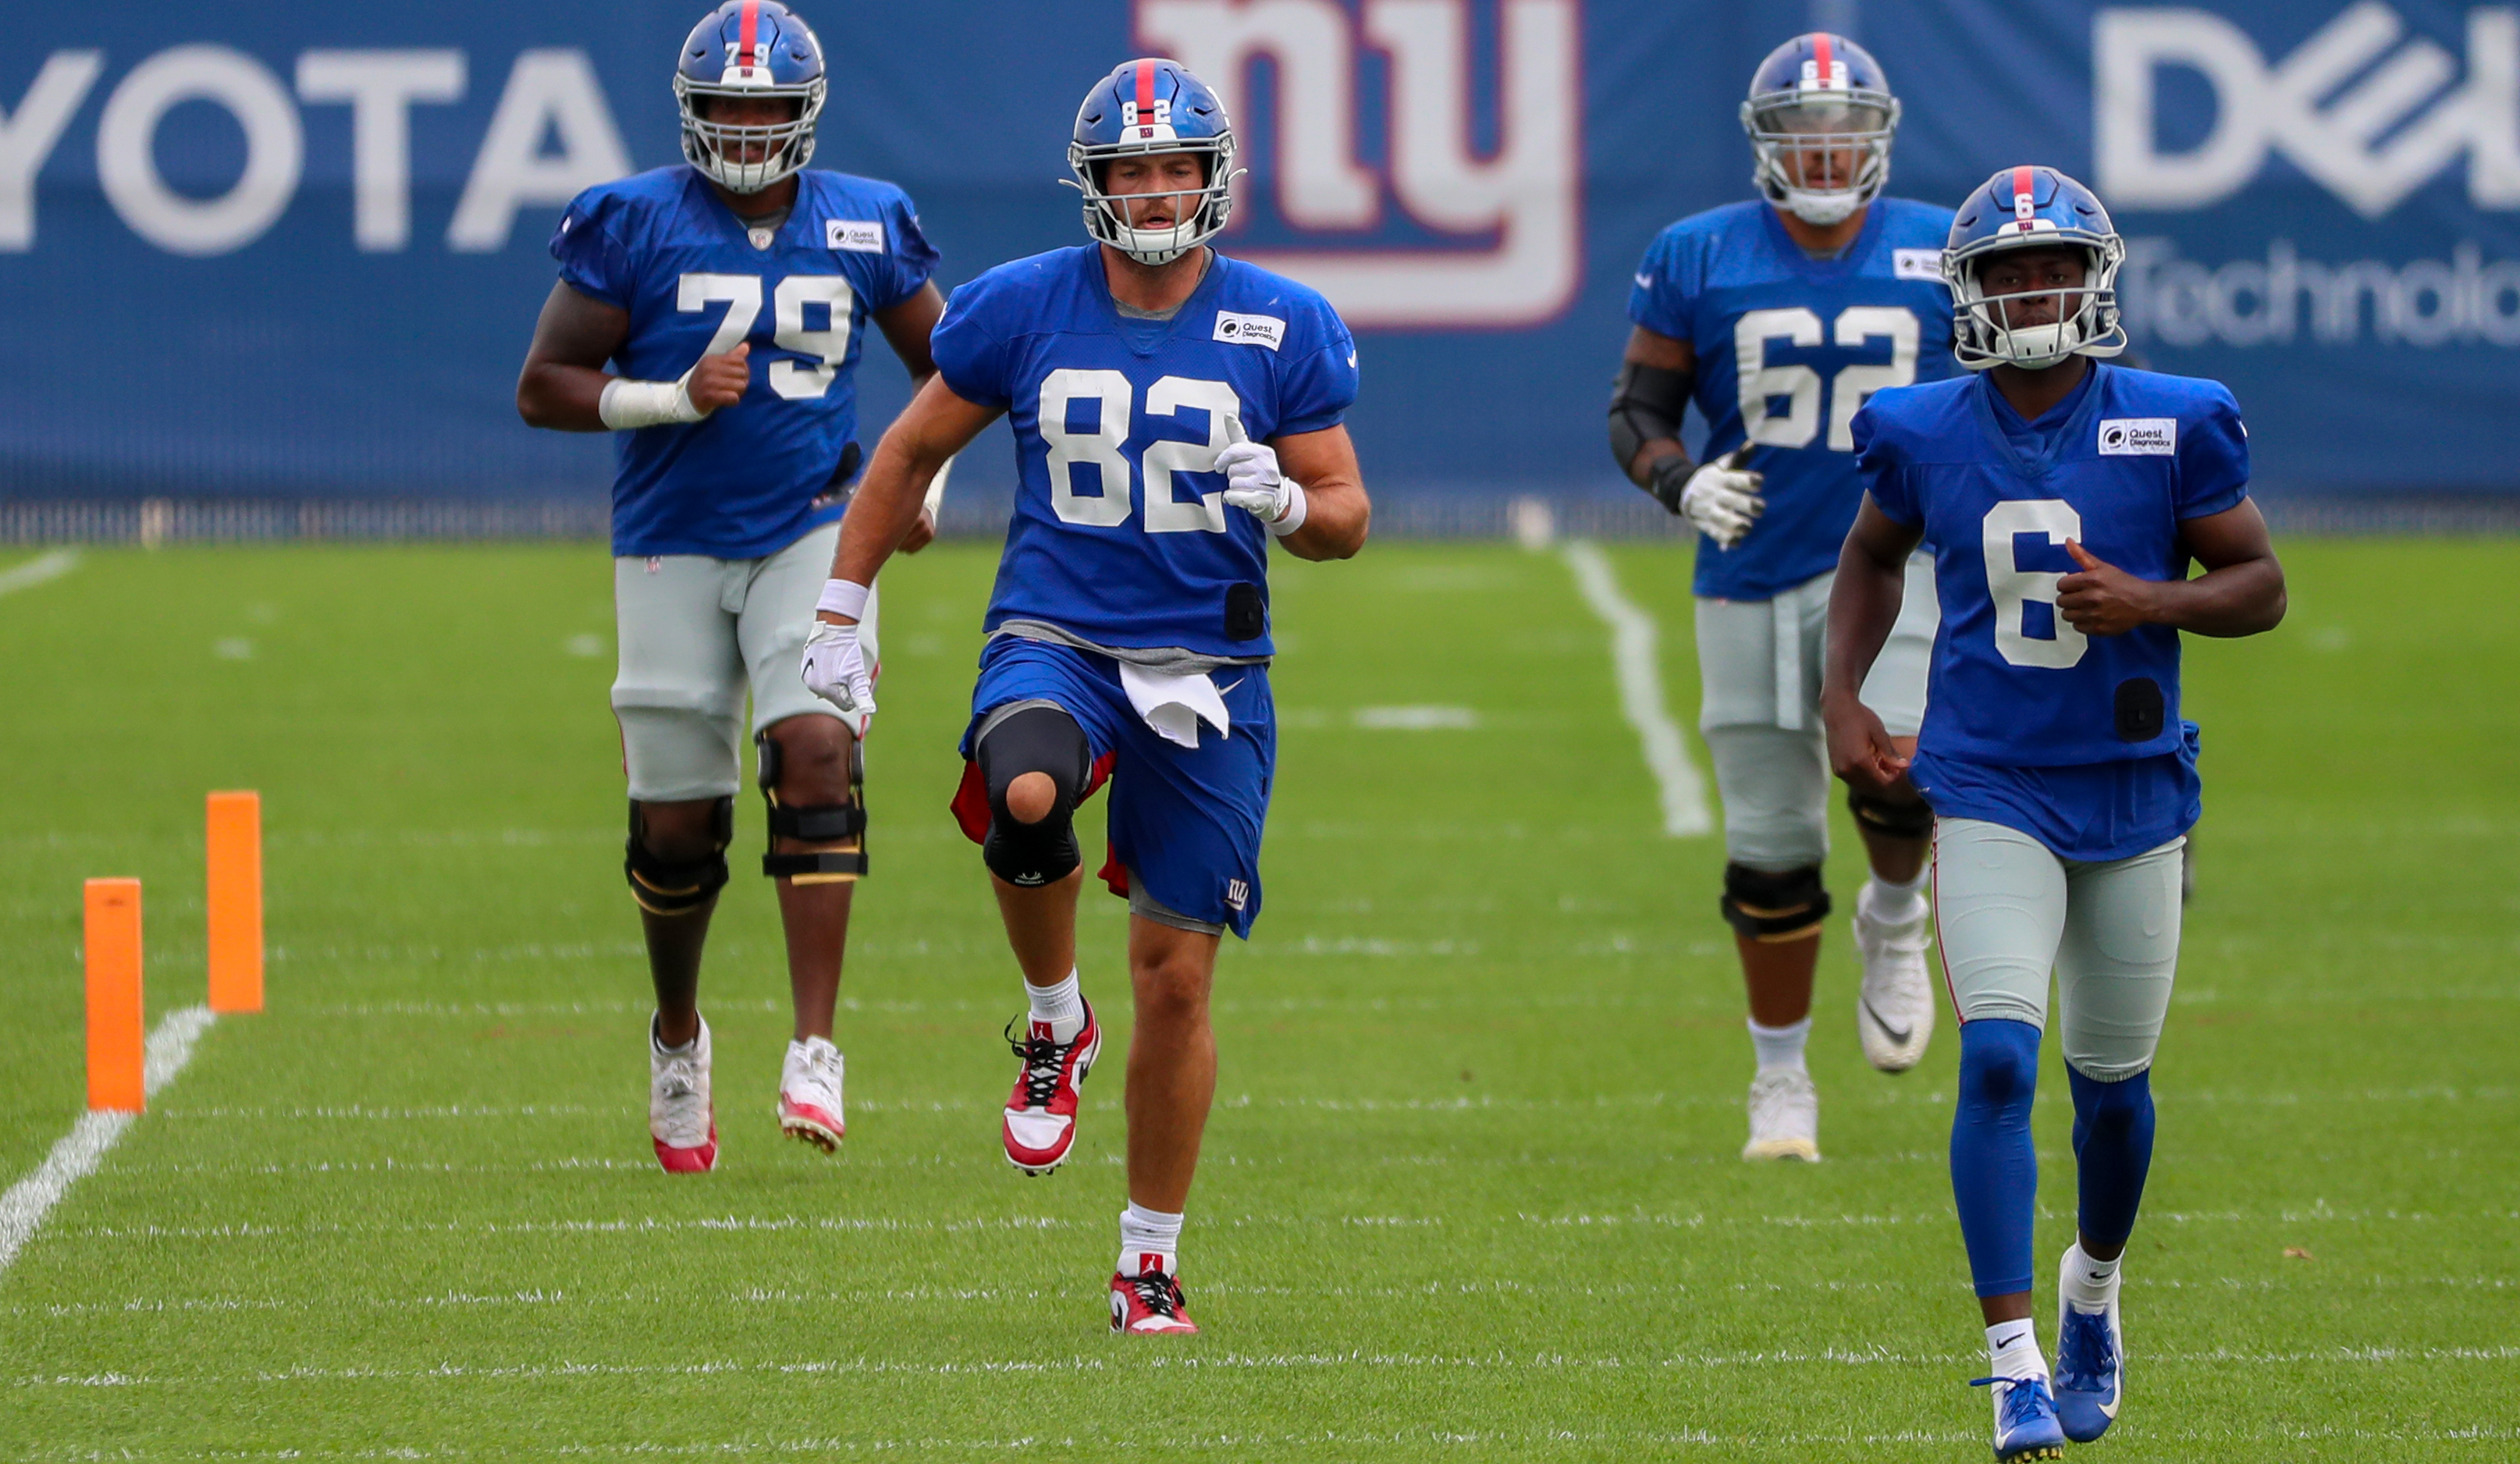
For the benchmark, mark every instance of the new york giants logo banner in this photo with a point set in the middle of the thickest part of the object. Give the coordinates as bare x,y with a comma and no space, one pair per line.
295,251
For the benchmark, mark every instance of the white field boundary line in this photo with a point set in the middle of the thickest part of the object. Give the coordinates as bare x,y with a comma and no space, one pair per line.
23,1208
1633,649
40,570
1251,1443
1151,1361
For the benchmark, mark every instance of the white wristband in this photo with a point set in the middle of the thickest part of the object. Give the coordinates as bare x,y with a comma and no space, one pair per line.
647,404
842,597
1296,508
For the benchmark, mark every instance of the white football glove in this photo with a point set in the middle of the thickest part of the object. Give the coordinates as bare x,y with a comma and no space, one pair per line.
1720,498
1253,483
836,671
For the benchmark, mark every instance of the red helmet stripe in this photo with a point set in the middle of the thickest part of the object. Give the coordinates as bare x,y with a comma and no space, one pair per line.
748,38
2021,185
1146,91
1821,56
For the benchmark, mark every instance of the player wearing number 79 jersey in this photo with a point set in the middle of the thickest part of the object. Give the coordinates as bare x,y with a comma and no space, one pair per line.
712,316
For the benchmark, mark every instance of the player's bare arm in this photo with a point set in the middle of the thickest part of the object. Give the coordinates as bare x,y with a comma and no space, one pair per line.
933,427
1862,606
2241,591
906,328
1336,513
561,387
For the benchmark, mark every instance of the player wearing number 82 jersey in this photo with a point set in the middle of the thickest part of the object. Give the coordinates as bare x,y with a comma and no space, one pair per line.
1176,414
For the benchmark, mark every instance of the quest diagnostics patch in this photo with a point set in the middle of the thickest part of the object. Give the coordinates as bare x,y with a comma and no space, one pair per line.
1916,264
1250,329
856,238
2139,437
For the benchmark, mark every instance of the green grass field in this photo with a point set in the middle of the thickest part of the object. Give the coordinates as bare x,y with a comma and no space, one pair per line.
1469,1189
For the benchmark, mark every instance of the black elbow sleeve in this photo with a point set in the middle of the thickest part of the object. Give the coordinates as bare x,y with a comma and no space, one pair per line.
1647,405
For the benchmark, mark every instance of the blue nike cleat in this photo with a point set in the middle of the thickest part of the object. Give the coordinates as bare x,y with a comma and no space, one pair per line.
2025,1419
2091,1372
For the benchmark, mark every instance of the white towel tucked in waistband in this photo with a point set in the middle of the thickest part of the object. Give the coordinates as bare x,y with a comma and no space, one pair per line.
1175,705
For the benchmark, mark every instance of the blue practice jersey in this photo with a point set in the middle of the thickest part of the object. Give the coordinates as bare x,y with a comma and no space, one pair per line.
1121,535
751,479
1789,347
2116,468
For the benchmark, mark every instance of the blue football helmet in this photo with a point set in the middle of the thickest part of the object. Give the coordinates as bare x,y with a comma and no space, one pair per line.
2033,208
750,48
1144,107
1820,116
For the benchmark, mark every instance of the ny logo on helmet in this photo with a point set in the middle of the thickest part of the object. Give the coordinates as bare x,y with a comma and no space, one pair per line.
2367,113
1516,212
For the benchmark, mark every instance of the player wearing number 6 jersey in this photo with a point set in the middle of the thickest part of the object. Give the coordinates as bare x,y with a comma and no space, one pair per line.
712,316
1175,414
2063,500
1778,316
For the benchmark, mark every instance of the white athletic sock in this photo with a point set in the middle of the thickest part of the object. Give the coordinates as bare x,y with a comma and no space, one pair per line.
658,1042
2013,1347
2089,1285
1062,1007
1888,903
1149,1240
1780,1046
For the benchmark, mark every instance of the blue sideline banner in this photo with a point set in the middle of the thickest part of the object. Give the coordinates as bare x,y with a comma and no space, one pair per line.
295,249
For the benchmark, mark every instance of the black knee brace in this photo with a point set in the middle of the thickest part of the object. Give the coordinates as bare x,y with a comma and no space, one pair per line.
1768,904
1875,814
1036,739
814,824
677,887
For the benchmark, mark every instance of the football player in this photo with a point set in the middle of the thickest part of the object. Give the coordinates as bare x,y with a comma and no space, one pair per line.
1175,413
1778,316
712,316
2062,501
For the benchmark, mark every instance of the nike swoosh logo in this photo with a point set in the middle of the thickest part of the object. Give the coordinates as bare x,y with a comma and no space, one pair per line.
1644,282
2009,1341
1895,1034
1230,685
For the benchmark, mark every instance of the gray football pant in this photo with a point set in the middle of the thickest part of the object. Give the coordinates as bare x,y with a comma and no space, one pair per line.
1759,670
2008,912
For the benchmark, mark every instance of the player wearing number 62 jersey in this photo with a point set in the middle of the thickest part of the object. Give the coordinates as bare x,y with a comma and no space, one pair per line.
712,316
2063,500
1777,317
1175,413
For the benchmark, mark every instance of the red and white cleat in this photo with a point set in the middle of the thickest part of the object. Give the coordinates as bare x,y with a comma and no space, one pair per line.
1149,1304
809,1094
1041,1112
680,1117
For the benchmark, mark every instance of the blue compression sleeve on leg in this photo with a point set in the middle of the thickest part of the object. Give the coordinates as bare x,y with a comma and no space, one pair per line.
1994,1169
2112,1151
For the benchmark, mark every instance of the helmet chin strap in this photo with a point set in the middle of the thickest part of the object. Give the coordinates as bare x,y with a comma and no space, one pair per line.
1822,209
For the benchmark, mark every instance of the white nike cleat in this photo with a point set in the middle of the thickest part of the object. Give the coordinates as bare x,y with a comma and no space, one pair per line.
1894,1012
809,1094
1784,1115
680,1117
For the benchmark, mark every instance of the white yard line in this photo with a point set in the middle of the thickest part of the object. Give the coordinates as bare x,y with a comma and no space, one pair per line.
23,1208
41,570
1634,648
